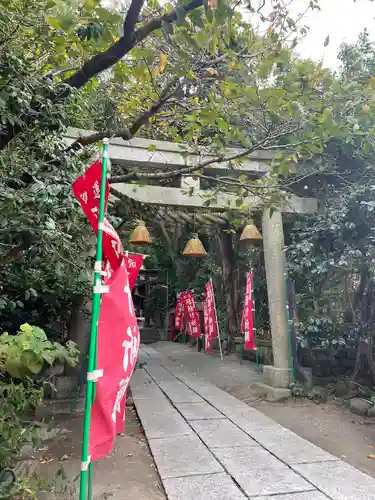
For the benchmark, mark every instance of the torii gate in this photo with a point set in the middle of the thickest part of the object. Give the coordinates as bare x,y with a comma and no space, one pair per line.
168,155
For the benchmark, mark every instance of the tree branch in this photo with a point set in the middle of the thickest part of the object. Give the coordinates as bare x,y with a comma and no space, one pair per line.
134,176
108,58
130,39
127,133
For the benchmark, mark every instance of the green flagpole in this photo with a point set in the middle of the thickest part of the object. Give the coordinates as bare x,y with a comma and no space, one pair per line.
86,470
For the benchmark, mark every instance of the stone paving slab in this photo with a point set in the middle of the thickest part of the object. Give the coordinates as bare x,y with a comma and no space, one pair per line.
178,392
308,495
198,411
143,357
147,390
140,377
149,350
160,374
289,447
258,473
221,434
250,419
339,480
207,487
218,398
183,456
160,420
205,389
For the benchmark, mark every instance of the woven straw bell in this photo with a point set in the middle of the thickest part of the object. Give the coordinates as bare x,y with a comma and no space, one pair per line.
140,235
194,248
250,233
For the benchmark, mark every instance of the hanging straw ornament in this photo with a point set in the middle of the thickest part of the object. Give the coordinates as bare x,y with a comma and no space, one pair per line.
194,248
140,235
250,233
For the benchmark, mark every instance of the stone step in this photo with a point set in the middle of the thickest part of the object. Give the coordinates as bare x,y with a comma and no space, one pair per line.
271,393
59,407
64,387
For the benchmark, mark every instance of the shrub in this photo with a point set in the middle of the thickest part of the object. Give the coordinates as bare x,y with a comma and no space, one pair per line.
22,359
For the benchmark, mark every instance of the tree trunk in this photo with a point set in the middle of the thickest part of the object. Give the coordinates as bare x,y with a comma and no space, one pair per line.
231,284
79,330
365,304
364,362
358,294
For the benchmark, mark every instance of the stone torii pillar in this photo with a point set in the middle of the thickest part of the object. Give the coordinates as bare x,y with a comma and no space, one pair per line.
276,378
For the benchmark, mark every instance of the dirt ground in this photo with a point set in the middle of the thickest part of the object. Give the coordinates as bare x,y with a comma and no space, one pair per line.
330,425
129,472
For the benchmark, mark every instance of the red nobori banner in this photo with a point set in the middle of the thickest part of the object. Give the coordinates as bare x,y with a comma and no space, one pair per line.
112,246
247,323
133,263
117,352
191,312
179,312
212,329
87,190
207,338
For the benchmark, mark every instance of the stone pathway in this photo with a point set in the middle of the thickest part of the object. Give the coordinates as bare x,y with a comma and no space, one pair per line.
208,445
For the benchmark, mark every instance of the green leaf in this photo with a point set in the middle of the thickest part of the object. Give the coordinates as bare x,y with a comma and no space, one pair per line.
181,16
209,13
39,334
26,328
49,356
50,224
202,39
151,148
90,5
32,362
167,28
14,368
214,43
326,41
54,22
223,125
189,39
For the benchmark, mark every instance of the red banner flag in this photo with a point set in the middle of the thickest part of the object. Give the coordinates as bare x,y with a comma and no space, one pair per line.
247,323
191,312
87,191
212,328
112,246
179,312
118,345
133,265
207,338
